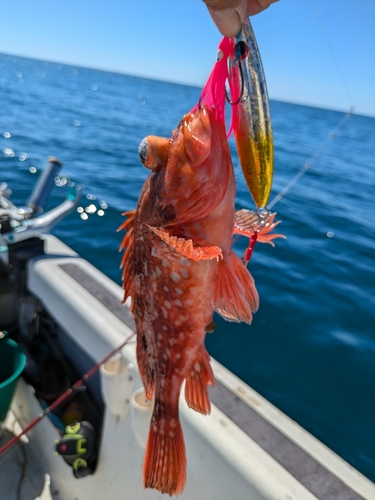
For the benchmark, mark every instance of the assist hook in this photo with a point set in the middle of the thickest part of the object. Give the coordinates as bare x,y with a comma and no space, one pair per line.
241,49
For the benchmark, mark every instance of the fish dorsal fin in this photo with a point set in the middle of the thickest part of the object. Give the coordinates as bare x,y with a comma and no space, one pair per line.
185,247
235,295
127,261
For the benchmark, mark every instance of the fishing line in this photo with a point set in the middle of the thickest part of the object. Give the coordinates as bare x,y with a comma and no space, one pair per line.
332,135
311,161
338,67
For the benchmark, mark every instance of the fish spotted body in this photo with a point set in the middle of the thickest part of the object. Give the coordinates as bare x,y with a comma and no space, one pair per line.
178,269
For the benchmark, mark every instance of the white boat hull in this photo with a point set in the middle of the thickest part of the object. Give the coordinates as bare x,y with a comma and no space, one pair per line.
245,449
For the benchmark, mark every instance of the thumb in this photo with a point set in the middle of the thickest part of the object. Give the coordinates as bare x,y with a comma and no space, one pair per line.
228,20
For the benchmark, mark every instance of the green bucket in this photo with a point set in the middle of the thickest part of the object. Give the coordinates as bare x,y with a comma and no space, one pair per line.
12,362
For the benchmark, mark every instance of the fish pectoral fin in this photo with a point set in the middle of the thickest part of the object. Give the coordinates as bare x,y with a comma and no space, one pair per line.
200,375
246,222
235,295
186,248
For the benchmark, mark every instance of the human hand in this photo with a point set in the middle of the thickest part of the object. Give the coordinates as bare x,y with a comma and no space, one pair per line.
228,15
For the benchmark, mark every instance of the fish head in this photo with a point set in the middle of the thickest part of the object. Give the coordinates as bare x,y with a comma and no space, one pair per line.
190,144
196,174
190,171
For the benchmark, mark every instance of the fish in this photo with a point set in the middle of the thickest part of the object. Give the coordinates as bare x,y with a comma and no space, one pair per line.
251,117
179,268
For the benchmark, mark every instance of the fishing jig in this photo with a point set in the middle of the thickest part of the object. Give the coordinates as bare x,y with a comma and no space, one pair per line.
251,118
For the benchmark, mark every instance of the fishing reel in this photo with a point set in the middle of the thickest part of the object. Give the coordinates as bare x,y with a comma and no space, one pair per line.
78,448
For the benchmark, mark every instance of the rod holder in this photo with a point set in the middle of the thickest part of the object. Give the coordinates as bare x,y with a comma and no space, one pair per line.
141,412
117,383
42,190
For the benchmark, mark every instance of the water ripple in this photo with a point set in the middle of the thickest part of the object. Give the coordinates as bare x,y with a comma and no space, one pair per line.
311,345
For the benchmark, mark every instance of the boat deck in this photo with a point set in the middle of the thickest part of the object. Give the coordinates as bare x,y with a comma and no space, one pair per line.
246,449
22,475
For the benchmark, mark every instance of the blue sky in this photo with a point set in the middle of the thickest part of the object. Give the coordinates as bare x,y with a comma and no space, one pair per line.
175,40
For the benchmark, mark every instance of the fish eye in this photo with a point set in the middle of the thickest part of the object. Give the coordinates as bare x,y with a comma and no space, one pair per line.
143,151
220,55
153,151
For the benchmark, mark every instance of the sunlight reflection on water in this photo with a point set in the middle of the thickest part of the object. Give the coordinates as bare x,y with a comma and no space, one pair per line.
313,335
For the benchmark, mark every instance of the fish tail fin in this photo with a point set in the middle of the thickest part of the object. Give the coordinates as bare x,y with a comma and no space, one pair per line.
235,295
164,467
199,377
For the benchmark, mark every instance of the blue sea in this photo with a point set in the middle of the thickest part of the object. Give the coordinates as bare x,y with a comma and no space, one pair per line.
311,347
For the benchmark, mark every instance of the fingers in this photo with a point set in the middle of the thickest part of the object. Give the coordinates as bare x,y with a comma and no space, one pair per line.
256,6
228,15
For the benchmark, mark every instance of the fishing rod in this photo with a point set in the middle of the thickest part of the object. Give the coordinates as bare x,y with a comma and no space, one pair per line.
68,394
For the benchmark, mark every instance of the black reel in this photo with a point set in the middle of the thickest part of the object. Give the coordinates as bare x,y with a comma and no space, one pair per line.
78,448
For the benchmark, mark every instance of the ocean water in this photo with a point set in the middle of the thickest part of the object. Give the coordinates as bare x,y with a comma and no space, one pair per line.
311,347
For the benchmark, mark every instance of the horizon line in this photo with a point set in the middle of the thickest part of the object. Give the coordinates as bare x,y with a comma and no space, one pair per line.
193,85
